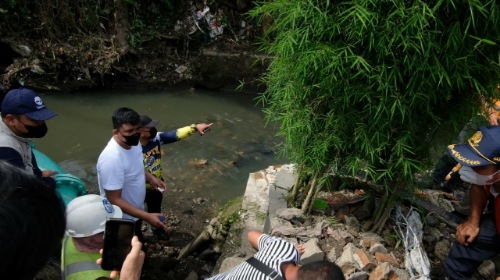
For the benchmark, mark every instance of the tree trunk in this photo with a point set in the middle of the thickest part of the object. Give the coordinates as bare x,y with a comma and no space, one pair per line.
122,27
310,195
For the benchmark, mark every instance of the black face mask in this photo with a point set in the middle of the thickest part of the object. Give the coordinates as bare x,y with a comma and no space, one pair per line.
152,133
132,140
37,131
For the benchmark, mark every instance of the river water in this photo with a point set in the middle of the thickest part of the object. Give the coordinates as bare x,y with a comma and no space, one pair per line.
239,143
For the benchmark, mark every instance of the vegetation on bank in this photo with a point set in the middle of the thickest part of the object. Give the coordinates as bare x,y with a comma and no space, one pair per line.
361,88
97,41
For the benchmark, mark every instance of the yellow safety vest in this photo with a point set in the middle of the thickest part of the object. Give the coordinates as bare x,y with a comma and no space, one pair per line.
76,265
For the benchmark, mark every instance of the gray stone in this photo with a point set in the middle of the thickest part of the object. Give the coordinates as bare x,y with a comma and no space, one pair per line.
229,263
312,252
401,274
360,275
289,213
192,276
347,254
377,247
334,254
352,221
441,249
487,269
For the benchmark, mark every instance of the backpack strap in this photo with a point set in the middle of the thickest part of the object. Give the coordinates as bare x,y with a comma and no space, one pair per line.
260,266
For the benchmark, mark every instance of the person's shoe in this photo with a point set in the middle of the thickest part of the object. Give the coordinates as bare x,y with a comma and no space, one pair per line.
160,234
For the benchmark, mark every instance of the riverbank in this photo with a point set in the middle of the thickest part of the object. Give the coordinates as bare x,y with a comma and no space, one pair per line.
337,233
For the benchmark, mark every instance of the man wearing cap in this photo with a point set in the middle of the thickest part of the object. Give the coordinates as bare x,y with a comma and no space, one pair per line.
477,239
23,117
151,141
85,222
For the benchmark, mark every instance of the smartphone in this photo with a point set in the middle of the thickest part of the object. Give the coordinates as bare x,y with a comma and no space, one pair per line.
118,234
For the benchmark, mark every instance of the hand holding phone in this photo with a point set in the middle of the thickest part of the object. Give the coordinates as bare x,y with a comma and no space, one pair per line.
118,234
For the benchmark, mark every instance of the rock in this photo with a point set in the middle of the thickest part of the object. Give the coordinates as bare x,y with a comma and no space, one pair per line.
441,249
381,272
312,252
377,247
347,254
360,275
352,221
386,257
229,263
192,276
364,260
289,213
334,254
487,269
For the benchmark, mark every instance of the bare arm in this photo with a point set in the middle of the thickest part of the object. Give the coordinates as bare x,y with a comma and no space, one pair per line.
253,238
468,231
155,182
115,197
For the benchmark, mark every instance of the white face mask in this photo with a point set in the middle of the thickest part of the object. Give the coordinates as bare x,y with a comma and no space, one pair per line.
468,175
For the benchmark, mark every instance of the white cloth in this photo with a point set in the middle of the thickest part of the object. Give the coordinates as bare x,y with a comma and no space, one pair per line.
467,174
119,168
273,252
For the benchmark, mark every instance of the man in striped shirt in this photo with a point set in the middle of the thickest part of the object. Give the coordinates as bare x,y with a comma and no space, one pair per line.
283,257
280,256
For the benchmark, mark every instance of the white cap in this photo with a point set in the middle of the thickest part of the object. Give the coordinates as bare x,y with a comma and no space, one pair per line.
86,215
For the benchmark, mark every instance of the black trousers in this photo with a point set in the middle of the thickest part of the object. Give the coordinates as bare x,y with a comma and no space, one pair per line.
463,261
153,201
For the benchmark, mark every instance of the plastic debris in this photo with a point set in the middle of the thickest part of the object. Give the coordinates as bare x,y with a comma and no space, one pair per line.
410,229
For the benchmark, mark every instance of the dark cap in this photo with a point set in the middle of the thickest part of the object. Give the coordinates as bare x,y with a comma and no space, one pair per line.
23,101
483,148
148,122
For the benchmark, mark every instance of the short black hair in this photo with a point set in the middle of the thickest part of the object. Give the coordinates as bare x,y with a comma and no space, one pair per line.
124,115
32,223
321,270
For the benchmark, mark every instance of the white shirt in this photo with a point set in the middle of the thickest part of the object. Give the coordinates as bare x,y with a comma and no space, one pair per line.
119,168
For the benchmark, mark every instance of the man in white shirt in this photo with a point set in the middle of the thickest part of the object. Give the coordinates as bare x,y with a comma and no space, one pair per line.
121,174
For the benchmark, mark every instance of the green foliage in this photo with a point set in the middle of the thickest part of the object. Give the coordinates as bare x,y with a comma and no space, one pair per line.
320,204
362,86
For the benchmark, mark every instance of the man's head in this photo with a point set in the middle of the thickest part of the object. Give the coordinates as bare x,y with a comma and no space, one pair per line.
480,156
86,219
483,148
322,270
32,223
126,128
148,125
24,112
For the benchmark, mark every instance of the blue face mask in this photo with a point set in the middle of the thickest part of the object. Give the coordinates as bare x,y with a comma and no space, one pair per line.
468,175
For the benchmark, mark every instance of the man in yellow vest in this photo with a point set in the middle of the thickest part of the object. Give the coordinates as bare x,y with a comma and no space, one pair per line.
86,218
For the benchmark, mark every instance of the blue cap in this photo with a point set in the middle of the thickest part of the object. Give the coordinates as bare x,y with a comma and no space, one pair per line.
23,101
483,148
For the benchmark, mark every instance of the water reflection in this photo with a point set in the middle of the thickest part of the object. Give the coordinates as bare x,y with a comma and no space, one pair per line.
239,142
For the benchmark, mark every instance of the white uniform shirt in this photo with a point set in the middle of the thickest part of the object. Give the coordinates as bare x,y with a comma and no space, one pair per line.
119,168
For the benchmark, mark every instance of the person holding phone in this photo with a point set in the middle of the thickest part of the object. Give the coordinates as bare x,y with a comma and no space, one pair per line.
151,141
121,174
85,225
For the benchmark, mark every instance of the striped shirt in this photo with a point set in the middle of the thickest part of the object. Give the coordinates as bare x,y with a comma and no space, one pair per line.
273,252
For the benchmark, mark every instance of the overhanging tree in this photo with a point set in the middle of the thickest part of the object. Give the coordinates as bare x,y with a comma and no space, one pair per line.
360,87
